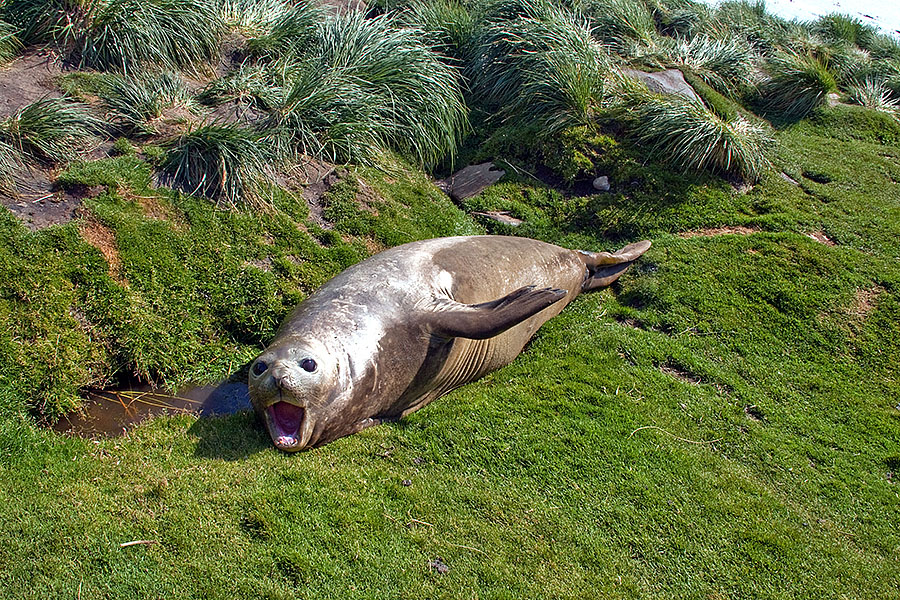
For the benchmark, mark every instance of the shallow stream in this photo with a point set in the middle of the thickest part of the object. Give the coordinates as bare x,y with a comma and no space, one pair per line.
114,412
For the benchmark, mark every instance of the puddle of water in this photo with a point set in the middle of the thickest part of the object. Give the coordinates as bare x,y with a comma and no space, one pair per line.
109,413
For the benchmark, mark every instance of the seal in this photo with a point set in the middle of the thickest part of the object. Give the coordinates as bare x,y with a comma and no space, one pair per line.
392,333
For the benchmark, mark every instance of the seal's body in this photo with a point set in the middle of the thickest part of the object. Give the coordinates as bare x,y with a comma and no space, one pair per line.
396,331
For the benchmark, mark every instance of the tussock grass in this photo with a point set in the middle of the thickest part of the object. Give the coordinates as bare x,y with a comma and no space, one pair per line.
53,130
10,162
626,25
729,65
9,43
259,86
173,34
451,25
836,27
874,94
295,32
132,101
685,133
519,35
123,34
561,88
252,17
226,163
370,86
797,84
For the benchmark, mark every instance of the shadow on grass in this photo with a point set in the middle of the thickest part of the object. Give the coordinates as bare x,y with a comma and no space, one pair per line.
230,437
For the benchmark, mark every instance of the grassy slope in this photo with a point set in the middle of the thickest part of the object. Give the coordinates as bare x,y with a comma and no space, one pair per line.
537,481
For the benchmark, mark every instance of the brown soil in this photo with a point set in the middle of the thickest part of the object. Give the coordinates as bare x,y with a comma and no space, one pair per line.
864,302
713,231
27,79
103,239
820,237
316,178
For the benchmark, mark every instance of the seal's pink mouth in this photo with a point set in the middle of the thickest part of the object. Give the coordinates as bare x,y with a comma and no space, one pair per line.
285,420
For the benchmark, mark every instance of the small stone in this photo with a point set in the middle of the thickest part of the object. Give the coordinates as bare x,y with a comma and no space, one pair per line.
438,565
500,216
406,482
601,184
418,460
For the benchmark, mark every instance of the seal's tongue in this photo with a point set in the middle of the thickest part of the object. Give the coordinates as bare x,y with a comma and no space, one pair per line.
287,419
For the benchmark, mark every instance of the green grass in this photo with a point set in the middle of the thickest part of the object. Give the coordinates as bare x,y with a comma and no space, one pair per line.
572,473
722,422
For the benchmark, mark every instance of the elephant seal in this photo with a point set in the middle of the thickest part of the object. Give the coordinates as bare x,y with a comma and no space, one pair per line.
392,333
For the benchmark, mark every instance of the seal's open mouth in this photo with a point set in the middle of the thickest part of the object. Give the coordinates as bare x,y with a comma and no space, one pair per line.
285,420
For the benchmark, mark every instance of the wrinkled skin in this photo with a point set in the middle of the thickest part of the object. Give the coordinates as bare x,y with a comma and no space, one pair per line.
392,333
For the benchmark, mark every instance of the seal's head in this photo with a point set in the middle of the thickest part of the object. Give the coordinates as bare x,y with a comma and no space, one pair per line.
289,386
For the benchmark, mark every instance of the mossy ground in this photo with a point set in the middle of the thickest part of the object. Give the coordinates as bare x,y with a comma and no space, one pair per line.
721,423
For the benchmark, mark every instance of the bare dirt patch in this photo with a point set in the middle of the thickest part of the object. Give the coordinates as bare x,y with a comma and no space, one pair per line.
820,237
38,202
714,231
103,239
30,77
679,373
864,302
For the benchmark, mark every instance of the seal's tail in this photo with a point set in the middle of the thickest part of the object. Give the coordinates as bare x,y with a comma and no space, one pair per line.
604,267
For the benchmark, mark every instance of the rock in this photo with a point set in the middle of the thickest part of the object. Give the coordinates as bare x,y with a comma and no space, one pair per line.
438,565
601,184
789,179
500,216
670,81
833,99
471,181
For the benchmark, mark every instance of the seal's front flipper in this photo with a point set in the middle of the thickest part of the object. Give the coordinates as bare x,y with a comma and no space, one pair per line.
485,320
604,267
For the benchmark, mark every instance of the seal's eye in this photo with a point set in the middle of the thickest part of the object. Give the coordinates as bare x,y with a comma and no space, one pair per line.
308,365
260,368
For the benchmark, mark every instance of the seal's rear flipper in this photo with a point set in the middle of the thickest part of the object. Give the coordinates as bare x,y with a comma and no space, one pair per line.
485,320
604,268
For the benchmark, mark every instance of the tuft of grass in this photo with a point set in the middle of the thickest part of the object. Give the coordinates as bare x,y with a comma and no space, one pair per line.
729,65
519,36
252,17
451,25
133,101
53,130
627,26
173,34
226,163
797,84
685,133
368,87
293,32
123,34
874,94
258,86
837,28
10,45
10,162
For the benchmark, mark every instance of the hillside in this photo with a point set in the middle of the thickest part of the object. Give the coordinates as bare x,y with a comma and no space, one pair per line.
723,422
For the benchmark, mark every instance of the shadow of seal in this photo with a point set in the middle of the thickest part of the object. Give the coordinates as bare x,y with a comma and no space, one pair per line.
392,333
